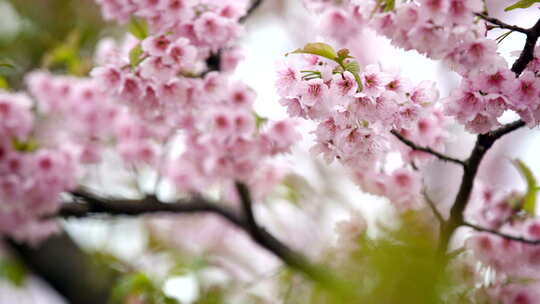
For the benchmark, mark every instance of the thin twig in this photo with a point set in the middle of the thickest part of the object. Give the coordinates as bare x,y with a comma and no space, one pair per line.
254,5
414,146
433,208
503,235
503,25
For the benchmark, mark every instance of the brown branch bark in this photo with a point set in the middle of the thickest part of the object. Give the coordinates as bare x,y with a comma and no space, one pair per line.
67,269
528,50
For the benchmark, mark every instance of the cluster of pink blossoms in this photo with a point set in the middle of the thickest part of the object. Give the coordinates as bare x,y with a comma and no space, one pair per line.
32,175
354,123
483,97
209,25
210,116
494,209
170,88
440,29
446,30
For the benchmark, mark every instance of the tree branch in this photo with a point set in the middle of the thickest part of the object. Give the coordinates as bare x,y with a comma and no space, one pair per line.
528,49
69,270
415,147
254,5
503,235
433,208
483,143
90,204
247,204
501,24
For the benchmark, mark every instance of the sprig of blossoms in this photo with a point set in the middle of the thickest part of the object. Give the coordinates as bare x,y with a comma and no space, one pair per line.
209,25
355,119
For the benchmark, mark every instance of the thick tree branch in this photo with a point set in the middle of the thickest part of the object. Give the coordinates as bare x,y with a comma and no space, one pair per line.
70,271
503,235
415,147
90,204
498,23
528,50
247,205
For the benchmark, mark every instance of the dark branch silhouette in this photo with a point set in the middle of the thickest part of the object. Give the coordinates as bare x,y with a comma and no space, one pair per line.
499,24
416,147
89,204
503,235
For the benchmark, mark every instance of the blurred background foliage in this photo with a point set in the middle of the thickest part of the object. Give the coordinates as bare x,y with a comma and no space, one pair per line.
400,266
55,34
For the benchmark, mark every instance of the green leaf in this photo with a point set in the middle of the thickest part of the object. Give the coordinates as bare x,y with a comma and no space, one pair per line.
135,56
354,68
521,4
6,65
319,49
3,83
259,120
66,54
529,201
29,145
390,5
137,283
13,271
386,5
138,28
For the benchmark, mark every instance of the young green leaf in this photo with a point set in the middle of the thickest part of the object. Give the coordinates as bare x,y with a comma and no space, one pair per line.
29,145
13,271
6,65
137,283
135,56
259,120
319,49
529,201
353,67
4,85
138,28
390,5
521,4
